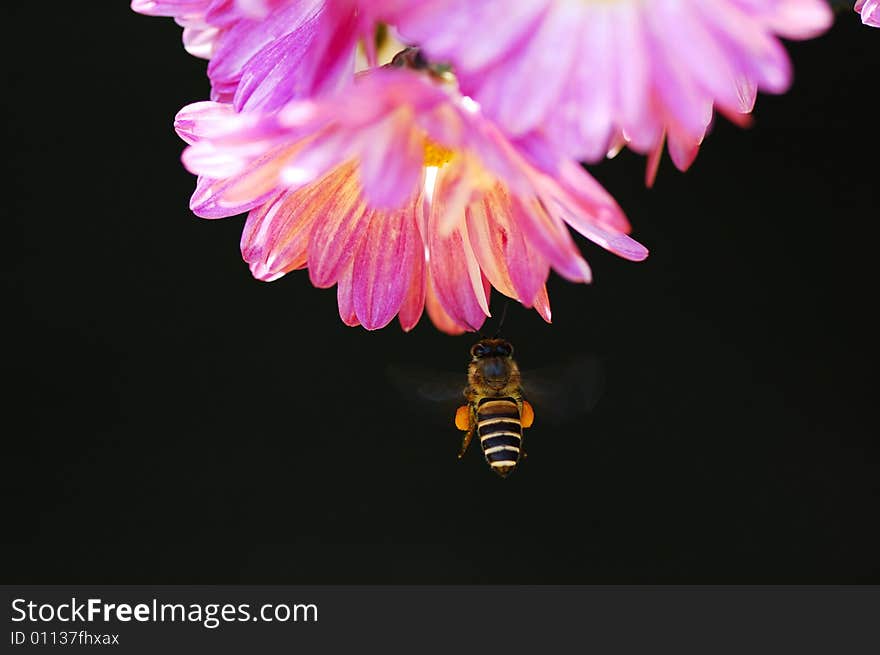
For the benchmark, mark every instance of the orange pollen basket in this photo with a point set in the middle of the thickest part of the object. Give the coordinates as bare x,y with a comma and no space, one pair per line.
463,418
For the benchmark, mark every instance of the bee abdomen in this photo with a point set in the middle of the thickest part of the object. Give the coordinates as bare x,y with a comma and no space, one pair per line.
500,432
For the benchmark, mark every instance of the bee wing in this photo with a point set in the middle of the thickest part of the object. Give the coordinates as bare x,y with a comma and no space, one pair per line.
427,385
564,391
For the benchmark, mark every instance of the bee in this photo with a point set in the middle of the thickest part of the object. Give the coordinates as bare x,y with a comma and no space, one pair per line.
495,409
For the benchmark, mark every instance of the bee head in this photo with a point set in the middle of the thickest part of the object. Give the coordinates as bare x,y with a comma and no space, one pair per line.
491,348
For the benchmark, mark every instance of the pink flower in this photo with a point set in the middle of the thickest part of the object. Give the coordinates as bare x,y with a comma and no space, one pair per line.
402,194
587,73
264,52
870,11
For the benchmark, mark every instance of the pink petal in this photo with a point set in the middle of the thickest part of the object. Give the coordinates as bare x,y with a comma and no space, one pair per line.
675,87
630,81
270,78
453,189
339,28
245,38
748,94
542,304
261,176
688,40
551,238
382,91
257,9
759,55
441,320
414,302
337,237
276,236
683,148
327,150
384,265
505,257
207,200
616,242
170,7
548,54
590,109
201,119
564,177
206,158
225,144
870,11
287,68
443,28
253,249
489,248
653,164
345,297
590,196
456,275
200,41
391,162
801,19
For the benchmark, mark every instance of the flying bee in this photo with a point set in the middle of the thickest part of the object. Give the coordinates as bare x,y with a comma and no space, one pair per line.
495,410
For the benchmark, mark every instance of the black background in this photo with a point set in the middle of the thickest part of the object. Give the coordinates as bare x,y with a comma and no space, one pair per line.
169,419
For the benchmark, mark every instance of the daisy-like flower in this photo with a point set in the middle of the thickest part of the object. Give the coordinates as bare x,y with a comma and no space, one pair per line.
870,11
264,53
403,194
589,73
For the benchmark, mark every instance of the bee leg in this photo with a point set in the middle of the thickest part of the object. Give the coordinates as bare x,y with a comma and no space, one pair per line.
465,443
527,417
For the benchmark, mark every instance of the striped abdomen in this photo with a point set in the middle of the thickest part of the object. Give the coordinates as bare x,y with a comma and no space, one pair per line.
500,432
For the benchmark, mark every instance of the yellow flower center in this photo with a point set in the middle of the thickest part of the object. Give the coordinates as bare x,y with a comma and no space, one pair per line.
437,155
